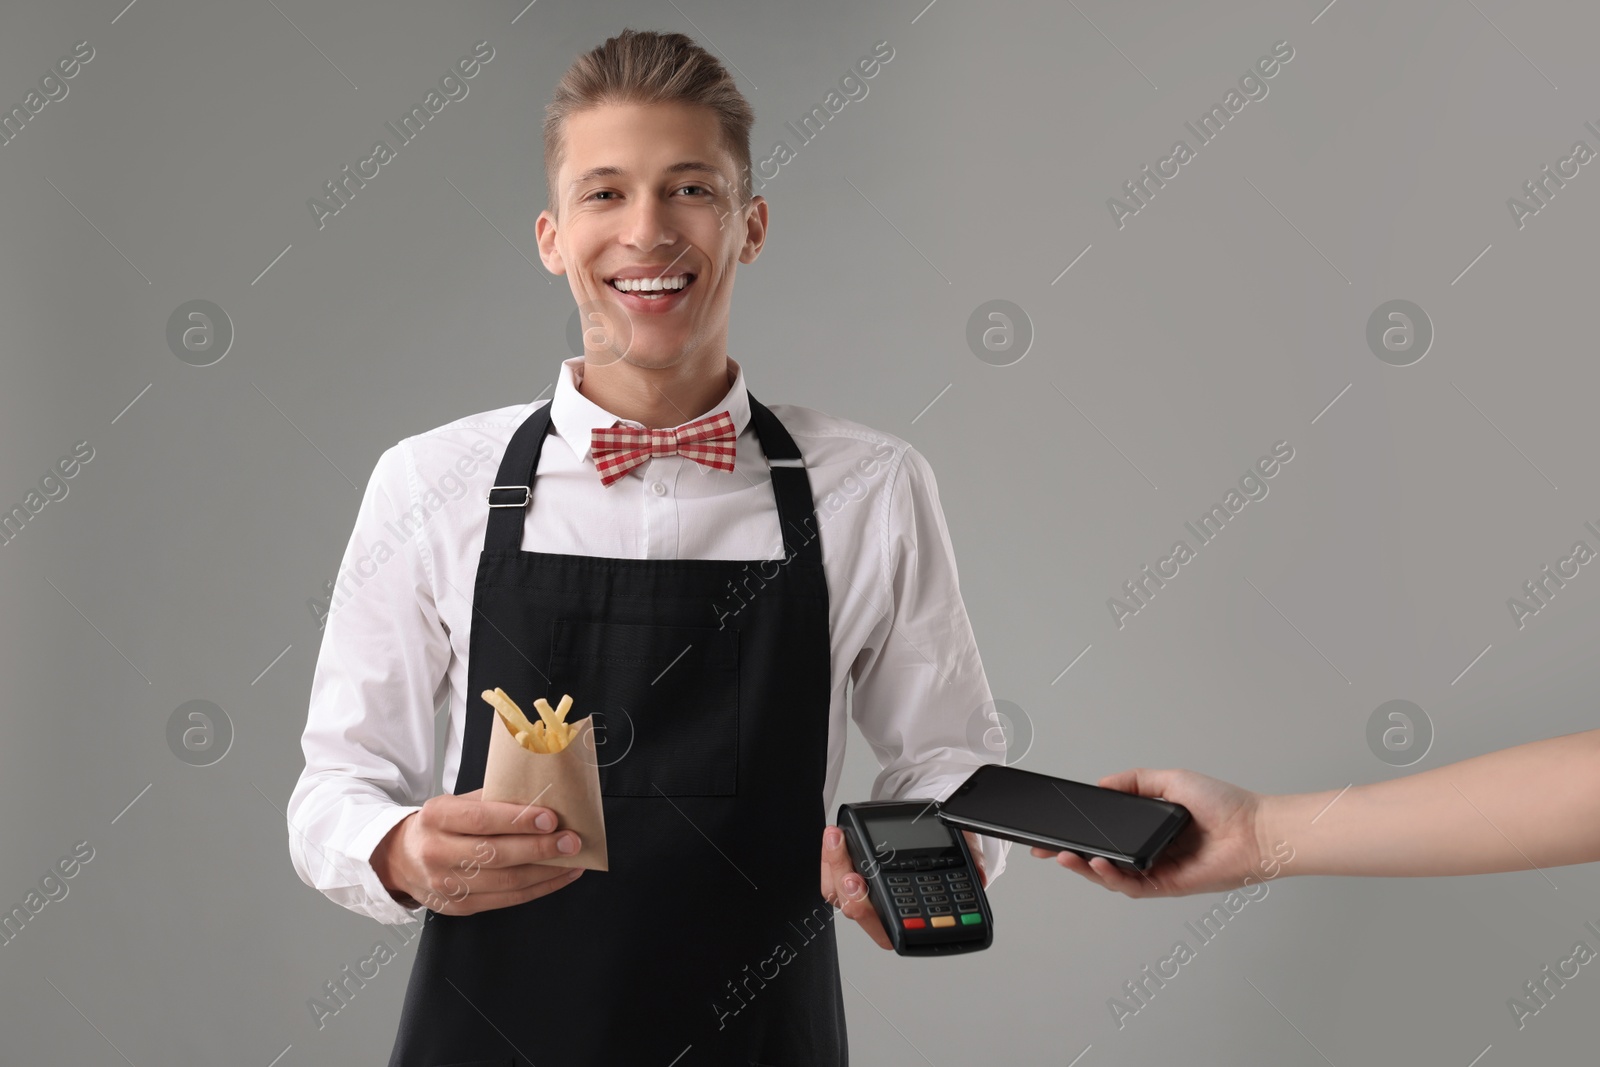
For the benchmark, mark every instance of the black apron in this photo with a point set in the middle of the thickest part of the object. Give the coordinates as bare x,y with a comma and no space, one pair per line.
708,941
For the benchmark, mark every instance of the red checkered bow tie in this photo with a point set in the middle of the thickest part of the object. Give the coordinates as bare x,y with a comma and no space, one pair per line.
708,441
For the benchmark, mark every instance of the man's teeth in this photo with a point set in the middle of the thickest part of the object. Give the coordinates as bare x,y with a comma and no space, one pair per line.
649,285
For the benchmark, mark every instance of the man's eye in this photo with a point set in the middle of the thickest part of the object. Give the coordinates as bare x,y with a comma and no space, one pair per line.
694,190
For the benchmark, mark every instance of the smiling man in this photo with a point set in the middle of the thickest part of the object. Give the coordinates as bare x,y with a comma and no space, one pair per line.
721,584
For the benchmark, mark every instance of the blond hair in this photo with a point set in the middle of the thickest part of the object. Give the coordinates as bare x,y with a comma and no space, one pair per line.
645,67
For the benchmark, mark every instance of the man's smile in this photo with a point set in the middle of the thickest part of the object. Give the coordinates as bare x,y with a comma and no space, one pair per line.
649,291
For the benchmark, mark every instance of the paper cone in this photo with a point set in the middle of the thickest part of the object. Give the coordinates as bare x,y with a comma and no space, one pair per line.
566,782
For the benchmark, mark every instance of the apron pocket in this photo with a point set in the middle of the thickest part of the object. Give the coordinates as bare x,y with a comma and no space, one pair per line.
665,700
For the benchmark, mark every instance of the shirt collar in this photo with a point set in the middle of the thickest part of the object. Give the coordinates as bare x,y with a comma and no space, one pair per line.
574,416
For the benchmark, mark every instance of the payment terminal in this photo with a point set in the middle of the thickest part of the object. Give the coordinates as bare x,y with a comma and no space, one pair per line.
920,876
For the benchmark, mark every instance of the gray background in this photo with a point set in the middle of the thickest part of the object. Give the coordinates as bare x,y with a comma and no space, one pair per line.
1224,317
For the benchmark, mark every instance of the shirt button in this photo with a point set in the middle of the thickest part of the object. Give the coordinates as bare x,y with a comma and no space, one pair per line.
658,489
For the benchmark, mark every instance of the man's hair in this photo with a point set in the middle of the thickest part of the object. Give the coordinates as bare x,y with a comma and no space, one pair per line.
645,67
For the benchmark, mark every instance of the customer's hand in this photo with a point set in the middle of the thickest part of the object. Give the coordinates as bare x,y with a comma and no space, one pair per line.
1217,850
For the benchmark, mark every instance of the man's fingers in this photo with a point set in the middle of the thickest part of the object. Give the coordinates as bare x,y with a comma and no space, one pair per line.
836,858
847,890
504,817
470,815
833,848
857,905
504,878
450,901
975,847
449,853
854,898
455,882
532,876
516,851
830,879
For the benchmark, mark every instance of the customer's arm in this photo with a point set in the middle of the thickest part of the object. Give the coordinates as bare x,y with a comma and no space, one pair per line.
1534,805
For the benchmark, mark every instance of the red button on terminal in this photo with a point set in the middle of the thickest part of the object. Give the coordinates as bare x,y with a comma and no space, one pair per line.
914,924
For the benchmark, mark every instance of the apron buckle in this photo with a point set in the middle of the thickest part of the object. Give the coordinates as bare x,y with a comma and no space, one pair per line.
527,493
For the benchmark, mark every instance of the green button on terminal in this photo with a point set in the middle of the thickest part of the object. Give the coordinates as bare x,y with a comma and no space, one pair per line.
971,920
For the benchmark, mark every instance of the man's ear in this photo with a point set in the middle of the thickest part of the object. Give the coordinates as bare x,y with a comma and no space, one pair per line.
755,229
544,231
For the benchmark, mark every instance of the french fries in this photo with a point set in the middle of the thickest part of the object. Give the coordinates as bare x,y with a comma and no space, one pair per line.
549,735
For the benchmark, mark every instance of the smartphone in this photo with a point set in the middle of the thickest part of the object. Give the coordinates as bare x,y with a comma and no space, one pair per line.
1062,815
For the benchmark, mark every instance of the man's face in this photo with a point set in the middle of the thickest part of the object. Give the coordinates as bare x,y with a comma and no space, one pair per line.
648,192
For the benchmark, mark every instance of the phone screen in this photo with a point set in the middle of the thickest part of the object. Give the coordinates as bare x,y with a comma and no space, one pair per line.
1057,808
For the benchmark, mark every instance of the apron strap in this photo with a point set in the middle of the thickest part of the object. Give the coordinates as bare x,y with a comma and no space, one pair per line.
513,484
797,512
791,486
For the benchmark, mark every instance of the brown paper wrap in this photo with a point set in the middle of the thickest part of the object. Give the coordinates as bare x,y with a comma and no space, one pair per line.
566,782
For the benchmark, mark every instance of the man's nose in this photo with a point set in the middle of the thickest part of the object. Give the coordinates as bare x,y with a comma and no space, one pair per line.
647,225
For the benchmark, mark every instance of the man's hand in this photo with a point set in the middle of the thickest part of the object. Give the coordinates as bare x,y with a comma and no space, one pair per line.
977,858
847,890
462,854
1217,850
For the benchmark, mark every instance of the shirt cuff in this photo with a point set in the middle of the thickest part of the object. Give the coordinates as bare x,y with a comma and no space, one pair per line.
378,902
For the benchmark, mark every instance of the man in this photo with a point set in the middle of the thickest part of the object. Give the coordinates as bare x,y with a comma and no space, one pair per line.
706,587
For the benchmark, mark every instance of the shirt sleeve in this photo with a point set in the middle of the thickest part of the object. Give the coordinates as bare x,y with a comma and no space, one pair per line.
369,735
920,694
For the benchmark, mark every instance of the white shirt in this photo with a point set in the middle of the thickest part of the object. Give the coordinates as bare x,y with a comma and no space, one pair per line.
395,643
